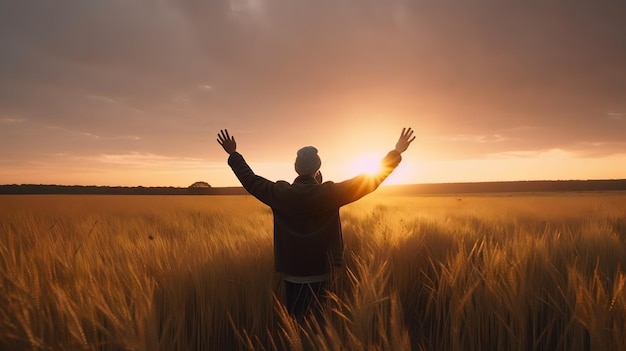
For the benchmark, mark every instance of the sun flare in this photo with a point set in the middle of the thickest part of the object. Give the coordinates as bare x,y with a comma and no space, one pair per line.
370,164
367,164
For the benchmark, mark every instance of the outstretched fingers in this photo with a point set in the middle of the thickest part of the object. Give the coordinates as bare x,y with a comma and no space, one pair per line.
227,141
407,134
222,136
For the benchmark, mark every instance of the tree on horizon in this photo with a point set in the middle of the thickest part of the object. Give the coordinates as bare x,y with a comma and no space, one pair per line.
200,185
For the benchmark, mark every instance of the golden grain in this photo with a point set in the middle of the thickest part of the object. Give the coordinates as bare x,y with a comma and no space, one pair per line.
513,272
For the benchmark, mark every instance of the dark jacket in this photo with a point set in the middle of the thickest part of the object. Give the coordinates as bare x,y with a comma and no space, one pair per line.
307,228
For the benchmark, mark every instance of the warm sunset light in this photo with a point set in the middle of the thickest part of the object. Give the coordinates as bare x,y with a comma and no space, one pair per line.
367,164
313,175
101,93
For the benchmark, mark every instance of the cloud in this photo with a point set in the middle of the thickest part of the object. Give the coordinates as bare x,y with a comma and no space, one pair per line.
11,120
494,138
148,160
101,98
551,154
593,149
514,154
615,116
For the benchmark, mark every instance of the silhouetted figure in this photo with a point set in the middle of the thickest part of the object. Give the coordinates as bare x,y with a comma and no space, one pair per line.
307,230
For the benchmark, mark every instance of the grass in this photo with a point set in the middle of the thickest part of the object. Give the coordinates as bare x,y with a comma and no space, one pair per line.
510,272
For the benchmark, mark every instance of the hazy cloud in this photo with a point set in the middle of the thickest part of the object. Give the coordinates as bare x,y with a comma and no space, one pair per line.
11,120
494,138
514,154
147,159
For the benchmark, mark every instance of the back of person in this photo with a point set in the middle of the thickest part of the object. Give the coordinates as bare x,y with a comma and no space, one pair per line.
307,228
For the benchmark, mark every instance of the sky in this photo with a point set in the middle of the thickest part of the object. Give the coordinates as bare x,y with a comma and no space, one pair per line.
133,93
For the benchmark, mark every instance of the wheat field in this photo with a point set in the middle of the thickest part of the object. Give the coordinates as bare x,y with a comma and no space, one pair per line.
471,272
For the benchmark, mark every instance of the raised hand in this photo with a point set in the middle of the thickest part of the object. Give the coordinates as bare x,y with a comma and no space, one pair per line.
406,138
228,143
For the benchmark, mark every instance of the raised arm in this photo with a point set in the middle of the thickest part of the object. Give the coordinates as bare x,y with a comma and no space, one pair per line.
359,186
257,186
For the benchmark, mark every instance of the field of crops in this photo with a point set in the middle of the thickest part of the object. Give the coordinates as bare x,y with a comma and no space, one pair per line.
481,272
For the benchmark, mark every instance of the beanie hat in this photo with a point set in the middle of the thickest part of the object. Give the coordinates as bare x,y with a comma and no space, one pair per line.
307,161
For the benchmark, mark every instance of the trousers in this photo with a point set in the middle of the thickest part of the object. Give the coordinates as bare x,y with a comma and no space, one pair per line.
304,299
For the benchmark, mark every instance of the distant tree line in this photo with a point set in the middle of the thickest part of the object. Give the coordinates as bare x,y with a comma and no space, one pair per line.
507,187
116,190
203,188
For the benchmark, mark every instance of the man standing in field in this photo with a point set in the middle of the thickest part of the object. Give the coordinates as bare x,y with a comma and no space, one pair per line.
307,230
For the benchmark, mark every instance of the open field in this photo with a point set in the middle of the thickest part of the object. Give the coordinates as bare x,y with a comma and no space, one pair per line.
507,272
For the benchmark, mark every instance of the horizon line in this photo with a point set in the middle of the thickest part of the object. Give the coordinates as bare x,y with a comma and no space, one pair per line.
382,185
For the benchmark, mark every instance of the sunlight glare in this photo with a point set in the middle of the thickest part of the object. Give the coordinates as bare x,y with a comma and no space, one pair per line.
367,164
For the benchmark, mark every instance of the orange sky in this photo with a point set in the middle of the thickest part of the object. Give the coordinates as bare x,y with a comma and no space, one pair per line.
134,93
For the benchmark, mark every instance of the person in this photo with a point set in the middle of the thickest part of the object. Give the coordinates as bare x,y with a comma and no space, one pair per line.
308,240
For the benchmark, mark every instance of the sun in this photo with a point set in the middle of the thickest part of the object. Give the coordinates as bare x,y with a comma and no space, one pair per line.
369,164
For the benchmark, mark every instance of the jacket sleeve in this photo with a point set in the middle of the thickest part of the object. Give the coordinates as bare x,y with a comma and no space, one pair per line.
257,186
353,189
